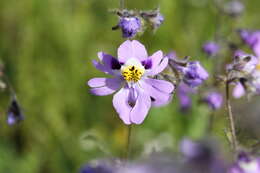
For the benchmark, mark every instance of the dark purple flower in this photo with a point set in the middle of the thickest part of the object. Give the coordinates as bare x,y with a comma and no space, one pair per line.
252,39
234,8
98,167
138,91
14,114
129,26
245,164
214,100
194,74
211,48
183,93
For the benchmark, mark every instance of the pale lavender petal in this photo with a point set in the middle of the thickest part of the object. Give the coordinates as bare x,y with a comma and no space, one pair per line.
110,82
238,91
141,107
162,85
120,103
156,58
102,68
131,49
159,68
105,86
158,97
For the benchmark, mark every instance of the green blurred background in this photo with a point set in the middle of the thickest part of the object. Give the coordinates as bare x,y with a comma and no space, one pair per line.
47,47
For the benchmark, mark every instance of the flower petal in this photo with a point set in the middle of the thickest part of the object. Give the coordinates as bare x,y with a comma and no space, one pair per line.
156,58
162,85
120,103
131,49
159,98
109,61
159,68
238,91
141,107
109,82
102,67
104,86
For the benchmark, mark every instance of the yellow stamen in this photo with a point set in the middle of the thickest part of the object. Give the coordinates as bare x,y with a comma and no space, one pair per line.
258,66
132,73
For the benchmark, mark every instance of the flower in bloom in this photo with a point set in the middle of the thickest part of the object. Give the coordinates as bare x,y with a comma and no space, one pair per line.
132,75
214,100
245,164
129,26
14,114
194,74
252,39
210,48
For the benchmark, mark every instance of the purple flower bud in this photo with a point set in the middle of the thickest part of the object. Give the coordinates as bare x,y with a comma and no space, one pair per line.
252,39
194,74
14,114
214,100
245,164
234,8
129,26
157,20
211,48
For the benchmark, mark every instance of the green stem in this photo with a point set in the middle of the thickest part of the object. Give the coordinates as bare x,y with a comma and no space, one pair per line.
231,119
122,4
128,144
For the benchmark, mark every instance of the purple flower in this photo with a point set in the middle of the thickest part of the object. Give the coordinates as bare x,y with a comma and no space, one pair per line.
129,26
14,114
102,166
194,74
244,63
214,100
252,39
132,73
183,93
211,48
245,164
234,8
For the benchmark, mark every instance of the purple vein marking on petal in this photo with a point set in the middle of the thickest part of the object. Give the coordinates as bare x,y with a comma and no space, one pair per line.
102,68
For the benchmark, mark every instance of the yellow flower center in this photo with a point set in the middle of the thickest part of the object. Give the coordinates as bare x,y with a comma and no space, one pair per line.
132,73
258,66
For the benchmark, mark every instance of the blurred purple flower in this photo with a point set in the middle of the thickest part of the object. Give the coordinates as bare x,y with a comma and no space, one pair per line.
183,93
157,20
129,26
214,100
171,55
245,164
252,39
100,166
14,114
234,8
194,74
211,48
131,72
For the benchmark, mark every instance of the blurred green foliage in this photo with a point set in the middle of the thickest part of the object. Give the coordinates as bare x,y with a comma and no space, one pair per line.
47,47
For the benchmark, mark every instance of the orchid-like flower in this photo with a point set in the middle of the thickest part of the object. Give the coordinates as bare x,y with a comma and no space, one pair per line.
132,75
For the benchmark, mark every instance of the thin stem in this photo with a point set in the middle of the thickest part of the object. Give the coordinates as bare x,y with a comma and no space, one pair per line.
122,4
231,119
128,144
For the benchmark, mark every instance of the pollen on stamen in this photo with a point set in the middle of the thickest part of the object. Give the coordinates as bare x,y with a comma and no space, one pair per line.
132,73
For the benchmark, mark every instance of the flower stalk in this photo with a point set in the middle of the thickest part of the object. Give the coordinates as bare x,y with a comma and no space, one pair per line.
128,144
231,118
